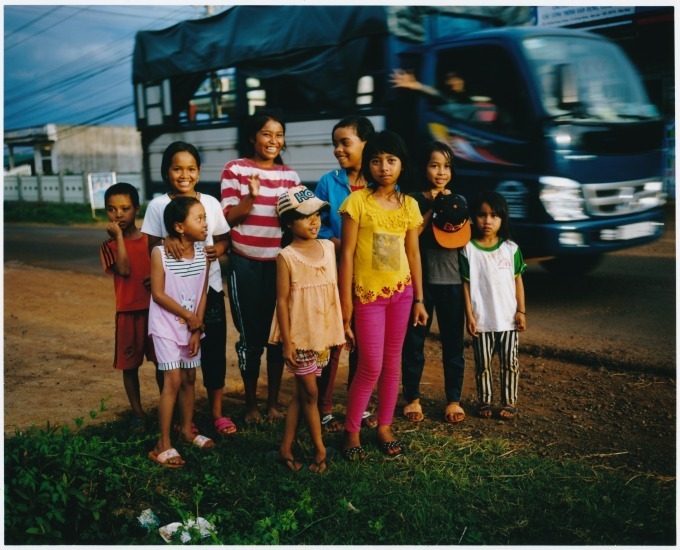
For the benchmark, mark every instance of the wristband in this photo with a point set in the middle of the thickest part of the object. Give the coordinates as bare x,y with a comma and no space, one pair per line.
418,301
522,312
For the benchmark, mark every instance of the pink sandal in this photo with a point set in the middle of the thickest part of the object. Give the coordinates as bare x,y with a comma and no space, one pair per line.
224,426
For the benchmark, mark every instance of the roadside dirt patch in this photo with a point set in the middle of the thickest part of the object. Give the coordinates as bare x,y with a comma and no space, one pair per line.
57,366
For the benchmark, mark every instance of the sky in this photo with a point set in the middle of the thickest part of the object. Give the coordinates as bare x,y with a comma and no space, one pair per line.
72,64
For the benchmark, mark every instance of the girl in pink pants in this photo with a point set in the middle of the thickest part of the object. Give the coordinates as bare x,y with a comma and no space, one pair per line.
380,284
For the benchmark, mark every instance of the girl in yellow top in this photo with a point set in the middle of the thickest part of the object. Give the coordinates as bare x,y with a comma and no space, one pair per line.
380,284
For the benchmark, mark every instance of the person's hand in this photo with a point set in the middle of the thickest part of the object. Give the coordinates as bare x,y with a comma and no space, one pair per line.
520,321
254,186
289,354
194,323
420,315
404,79
472,327
210,252
350,339
146,281
173,247
114,230
194,344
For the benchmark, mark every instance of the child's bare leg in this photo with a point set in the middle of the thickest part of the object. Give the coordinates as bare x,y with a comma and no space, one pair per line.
290,431
131,384
159,379
166,403
274,374
309,395
252,415
187,398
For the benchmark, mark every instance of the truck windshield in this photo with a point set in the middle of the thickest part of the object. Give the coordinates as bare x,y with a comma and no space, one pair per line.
604,85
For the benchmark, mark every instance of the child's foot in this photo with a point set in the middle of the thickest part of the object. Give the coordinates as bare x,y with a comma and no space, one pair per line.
274,415
285,459
137,425
454,413
413,411
351,447
388,443
369,420
319,464
252,416
507,412
169,457
224,426
484,410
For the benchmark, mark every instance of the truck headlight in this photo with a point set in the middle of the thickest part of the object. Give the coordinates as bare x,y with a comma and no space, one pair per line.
562,198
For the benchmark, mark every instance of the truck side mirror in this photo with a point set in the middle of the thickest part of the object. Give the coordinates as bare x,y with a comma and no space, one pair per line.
567,86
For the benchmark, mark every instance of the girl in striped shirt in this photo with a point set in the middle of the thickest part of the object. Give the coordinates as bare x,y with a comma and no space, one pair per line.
250,188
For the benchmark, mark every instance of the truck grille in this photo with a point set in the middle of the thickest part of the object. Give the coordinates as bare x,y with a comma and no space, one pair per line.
613,199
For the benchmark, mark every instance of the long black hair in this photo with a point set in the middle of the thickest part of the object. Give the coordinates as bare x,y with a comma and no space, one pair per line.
169,153
254,124
499,205
177,211
391,143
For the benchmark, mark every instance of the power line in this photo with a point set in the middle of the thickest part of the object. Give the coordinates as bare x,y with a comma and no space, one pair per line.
31,22
30,36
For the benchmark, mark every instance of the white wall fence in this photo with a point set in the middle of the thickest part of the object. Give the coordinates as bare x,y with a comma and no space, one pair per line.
59,188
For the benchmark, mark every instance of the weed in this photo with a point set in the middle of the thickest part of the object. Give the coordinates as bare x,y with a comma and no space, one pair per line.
88,486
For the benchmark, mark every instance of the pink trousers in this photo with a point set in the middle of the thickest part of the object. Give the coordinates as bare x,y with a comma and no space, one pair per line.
380,328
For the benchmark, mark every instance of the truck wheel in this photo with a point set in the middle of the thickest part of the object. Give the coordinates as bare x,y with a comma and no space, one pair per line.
569,266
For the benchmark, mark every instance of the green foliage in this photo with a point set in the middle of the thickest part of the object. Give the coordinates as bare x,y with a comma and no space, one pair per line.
54,213
88,485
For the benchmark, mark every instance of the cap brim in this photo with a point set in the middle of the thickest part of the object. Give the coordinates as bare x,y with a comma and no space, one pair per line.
310,206
455,239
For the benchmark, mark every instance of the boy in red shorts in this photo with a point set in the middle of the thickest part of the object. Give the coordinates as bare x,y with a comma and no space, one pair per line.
126,256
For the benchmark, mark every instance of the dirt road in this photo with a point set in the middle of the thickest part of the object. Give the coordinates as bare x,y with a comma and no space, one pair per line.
57,366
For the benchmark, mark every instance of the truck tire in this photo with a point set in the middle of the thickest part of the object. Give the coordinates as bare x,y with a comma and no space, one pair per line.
569,266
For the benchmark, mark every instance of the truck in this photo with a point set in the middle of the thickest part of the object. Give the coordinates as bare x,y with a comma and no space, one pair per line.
556,120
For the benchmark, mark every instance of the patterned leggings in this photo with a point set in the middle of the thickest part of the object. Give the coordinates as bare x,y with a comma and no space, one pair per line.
484,347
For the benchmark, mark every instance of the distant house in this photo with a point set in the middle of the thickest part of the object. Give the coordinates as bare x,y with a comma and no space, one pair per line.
56,148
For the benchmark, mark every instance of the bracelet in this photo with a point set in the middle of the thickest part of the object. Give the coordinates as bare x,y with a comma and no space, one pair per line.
418,301
522,312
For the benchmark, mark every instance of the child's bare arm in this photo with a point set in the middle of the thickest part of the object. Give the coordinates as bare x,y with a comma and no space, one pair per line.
471,325
122,264
282,311
413,255
349,234
162,299
220,246
153,240
521,313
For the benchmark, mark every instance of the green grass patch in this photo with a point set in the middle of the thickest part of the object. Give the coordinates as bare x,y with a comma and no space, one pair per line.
88,486
54,213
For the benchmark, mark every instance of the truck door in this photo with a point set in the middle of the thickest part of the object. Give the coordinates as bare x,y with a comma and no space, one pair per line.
483,111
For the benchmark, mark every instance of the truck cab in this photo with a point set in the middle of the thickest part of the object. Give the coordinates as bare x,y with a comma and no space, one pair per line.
555,120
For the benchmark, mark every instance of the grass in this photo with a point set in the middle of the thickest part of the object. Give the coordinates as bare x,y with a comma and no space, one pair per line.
88,485
54,213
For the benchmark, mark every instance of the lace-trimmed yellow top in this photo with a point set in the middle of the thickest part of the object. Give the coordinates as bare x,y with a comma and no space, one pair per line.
380,263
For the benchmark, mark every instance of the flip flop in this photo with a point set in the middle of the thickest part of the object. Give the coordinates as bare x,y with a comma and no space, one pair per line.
288,463
387,446
224,426
203,442
508,408
414,408
162,458
484,410
457,409
330,452
331,424
354,454
369,420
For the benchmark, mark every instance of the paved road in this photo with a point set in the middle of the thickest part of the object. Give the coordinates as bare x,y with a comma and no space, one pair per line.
622,314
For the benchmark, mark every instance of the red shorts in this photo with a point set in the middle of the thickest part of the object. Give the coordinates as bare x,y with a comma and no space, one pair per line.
132,340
